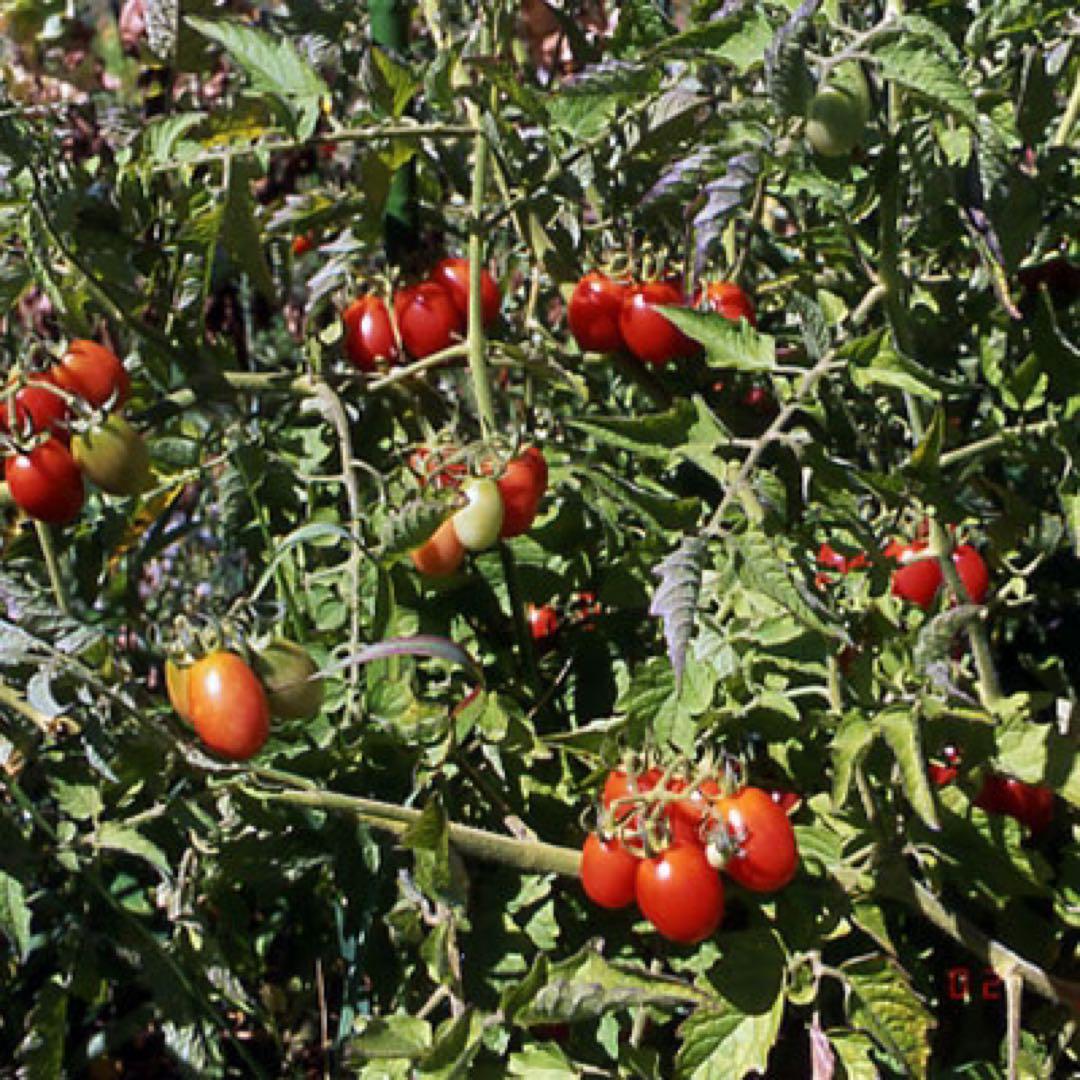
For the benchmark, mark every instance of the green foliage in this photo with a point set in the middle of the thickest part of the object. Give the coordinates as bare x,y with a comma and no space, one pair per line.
388,889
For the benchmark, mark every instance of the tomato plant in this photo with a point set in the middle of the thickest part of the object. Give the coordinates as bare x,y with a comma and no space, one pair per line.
680,894
45,482
543,622
228,705
839,112
441,554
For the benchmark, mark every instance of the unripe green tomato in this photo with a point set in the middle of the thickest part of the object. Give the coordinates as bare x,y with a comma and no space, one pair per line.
285,670
479,522
114,456
839,112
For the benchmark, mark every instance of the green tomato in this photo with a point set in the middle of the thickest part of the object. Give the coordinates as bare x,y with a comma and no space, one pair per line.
285,670
479,522
839,112
114,456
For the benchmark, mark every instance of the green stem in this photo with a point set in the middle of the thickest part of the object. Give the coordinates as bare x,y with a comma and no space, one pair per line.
989,685
52,565
1069,117
529,856
478,368
995,442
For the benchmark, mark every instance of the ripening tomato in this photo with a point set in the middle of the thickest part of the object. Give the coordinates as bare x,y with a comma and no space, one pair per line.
727,299
973,572
648,334
595,306
427,319
543,622
229,710
286,670
369,334
178,687
829,557
608,872
1032,805
45,482
37,408
113,455
453,276
522,486
761,853
478,523
680,894
915,581
93,372
441,554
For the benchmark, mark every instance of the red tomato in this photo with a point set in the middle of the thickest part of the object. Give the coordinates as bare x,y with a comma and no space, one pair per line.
37,408
973,572
427,319
442,553
786,800
621,785
727,299
93,372
917,582
228,705
764,853
522,486
302,244
595,306
681,894
453,276
46,483
608,872
828,556
1031,805
543,622
695,806
647,332
369,334
941,775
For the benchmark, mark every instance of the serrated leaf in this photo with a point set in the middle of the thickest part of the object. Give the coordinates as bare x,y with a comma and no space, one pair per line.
727,344
116,836
275,69
393,84
850,745
924,458
586,106
814,325
409,526
41,1053
787,76
918,67
883,1003
14,914
675,600
726,1045
936,638
652,435
722,198
902,732
390,1037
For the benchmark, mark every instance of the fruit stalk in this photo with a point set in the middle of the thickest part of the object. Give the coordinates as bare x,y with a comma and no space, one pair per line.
52,566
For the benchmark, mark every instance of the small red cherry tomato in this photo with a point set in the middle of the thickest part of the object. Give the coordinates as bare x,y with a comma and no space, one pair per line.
762,853
453,276
427,319
648,334
543,622
45,482
37,408
727,299
916,581
681,894
369,334
93,372
608,872
973,572
521,486
595,306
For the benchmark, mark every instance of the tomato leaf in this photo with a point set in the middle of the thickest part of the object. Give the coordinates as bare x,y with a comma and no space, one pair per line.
14,913
380,1038
901,729
717,1045
787,75
728,344
675,599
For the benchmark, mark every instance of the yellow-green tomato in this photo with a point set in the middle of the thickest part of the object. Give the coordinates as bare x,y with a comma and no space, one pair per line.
286,671
479,521
113,455
839,112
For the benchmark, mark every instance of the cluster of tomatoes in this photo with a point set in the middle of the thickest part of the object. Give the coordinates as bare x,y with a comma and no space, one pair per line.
918,577
229,701
546,620
427,317
51,447
494,508
663,840
1030,804
609,315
